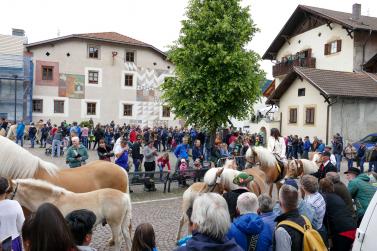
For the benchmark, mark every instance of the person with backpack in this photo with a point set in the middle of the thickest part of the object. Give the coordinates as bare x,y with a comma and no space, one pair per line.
290,233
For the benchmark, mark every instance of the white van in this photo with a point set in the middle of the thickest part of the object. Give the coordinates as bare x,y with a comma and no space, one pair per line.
366,234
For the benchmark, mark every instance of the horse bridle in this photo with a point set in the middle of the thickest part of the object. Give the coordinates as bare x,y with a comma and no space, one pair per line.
254,162
14,192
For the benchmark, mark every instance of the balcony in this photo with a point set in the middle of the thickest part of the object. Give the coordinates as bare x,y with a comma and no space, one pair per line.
286,66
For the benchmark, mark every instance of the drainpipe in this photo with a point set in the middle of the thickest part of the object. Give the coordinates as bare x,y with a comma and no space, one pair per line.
364,44
329,104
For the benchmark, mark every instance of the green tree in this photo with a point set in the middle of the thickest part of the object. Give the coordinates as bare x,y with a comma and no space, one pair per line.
216,77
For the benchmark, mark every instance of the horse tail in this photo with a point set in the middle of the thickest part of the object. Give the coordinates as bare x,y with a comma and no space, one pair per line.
126,223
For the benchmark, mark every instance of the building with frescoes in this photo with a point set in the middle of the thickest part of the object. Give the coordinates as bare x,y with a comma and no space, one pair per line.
104,76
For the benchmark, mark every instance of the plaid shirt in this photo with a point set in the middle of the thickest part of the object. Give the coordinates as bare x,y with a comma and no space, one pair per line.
319,205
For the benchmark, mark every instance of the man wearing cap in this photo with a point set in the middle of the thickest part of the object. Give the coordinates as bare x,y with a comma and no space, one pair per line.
360,189
332,156
325,167
241,181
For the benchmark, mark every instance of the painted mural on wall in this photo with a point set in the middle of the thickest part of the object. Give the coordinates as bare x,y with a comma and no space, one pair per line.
72,86
148,93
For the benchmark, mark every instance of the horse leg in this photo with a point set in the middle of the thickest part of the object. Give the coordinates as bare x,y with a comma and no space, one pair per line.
126,231
271,188
116,231
181,223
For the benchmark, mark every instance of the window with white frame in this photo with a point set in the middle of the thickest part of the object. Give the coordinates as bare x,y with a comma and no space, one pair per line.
38,105
127,110
93,51
93,77
166,111
58,106
91,108
128,80
130,56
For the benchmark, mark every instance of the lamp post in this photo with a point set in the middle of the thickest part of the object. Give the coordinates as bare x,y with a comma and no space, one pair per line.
15,98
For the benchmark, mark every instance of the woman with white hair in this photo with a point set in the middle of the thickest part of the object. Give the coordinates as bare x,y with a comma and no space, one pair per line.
77,154
211,222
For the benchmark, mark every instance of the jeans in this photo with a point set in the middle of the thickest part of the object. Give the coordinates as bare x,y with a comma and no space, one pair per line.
338,158
374,165
56,147
43,141
32,141
163,141
84,141
294,152
305,155
361,162
161,168
136,165
350,163
21,138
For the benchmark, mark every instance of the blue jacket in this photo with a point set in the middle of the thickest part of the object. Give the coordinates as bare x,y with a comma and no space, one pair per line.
307,145
181,151
20,129
197,152
122,161
250,224
201,242
269,220
321,148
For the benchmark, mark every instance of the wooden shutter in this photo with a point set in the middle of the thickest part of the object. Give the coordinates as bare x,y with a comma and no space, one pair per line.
338,45
327,49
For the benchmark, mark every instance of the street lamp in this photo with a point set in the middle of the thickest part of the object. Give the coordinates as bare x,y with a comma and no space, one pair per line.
15,98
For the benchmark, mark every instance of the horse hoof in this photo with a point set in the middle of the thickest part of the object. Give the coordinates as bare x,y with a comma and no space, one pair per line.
111,242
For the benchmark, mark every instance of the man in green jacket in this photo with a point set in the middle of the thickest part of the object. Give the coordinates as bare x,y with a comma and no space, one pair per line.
76,154
360,189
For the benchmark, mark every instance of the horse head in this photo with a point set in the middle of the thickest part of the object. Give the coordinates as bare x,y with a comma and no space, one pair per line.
295,168
230,164
250,157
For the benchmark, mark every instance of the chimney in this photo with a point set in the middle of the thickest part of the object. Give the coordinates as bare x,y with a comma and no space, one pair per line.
356,11
18,32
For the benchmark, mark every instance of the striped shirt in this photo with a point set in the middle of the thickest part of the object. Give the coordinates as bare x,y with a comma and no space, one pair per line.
319,205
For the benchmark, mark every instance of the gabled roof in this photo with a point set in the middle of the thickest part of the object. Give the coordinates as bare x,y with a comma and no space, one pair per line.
342,18
331,83
111,37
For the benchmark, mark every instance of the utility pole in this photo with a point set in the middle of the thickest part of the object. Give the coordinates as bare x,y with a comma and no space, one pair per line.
15,98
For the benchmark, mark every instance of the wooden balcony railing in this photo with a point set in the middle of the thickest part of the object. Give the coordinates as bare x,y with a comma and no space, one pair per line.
285,67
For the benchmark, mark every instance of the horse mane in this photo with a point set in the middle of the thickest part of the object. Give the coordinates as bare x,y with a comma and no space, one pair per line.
266,158
18,163
42,185
309,166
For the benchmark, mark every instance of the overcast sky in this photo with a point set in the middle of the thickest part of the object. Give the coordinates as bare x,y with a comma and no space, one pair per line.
156,22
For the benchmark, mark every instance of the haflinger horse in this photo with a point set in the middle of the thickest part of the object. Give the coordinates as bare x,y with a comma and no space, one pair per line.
18,163
218,180
275,172
12,132
107,204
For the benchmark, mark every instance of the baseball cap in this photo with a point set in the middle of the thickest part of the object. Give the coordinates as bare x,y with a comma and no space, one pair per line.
353,170
291,182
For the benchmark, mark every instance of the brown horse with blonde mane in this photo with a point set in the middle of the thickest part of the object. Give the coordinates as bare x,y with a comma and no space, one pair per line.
18,163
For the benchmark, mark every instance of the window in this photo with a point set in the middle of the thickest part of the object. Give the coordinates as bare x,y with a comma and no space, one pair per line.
93,51
58,106
47,72
38,105
130,56
128,79
309,115
91,108
293,115
165,111
93,77
127,110
333,47
301,92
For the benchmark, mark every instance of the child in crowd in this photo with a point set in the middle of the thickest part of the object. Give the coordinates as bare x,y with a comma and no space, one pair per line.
182,172
163,161
197,168
144,238
81,223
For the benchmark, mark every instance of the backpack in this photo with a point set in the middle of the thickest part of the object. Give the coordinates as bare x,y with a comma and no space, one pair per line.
311,238
252,240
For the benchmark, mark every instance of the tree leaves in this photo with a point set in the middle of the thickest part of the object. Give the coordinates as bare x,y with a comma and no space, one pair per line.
216,77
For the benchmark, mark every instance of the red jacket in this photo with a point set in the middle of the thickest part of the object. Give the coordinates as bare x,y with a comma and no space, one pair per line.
162,161
133,136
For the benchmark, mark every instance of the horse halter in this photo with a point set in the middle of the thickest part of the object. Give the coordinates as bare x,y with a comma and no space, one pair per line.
14,192
249,161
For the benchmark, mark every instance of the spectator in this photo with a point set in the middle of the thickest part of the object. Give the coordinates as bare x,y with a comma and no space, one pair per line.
3,124
341,190
121,155
338,218
11,216
47,230
20,131
198,170
137,157
350,154
32,134
268,217
309,186
84,136
163,161
224,150
361,156
181,151
306,148
81,224
361,191
164,138
144,238
325,167
373,160
150,154
56,143
332,156
231,197
321,146
211,222
77,154
44,135
338,149
104,151
98,134
315,144
249,230
197,151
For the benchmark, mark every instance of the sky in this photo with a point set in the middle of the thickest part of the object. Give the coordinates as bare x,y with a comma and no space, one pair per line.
156,22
